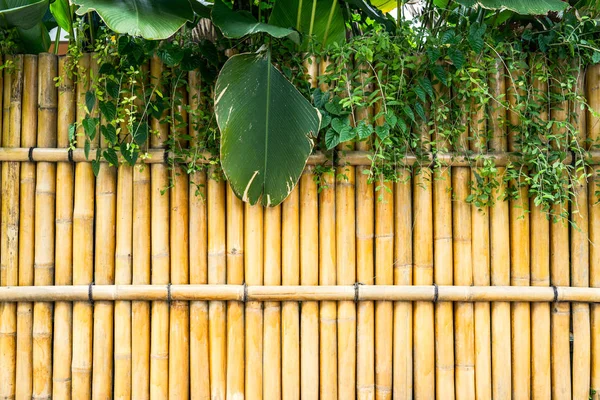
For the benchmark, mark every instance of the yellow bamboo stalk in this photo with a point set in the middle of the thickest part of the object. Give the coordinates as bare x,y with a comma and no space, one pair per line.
199,346
580,261
217,274
499,244
45,195
327,276
235,310
63,311
24,360
6,82
593,133
159,339
253,264
290,317
272,309
309,275
540,266
83,250
403,275
559,275
140,310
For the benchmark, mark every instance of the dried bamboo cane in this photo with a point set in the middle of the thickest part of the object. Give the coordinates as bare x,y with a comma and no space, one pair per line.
290,317
580,261
10,229
140,310
593,133
63,311
83,250
499,244
253,264
445,371
159,333
199,346
216,274
327,276
179,327
309,275
540,265
519,255
24,360
272,309
403,275
384,275
559,275
235,310
45,195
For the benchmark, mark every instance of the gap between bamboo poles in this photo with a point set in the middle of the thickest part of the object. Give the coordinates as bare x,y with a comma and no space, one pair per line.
245,293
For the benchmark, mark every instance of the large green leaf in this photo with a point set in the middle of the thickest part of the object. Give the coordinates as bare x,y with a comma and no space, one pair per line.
266,129
150,19
385,5
24,14
373,12
531,7
35,40
61,10
326,23
237,24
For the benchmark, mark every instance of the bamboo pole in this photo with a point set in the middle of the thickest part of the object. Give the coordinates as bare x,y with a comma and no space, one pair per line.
10,229
402,347
309,275
217,274
499,244
272,309
540,263
140,310
559,275
83,250
593,133
580,261
235,310
24,354
290,317
253,264
45,195
520,251
159,332
63,311
327,276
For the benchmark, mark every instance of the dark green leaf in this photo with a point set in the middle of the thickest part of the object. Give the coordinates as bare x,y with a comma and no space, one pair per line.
112,88
332,139
110,155
22,14
109,132
108,110
441,74
382,131
457,57
334,107
364,130
86,149
96,167
90,101
89,126
61,10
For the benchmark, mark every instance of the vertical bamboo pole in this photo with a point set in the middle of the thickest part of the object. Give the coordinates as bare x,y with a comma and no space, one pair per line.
403,275
10,230
559,275
217,273
384,275
327,276
580,262
159,333
24,376
83,249
480,250
290,317
540,263
63,311
272,309
445,371
45,195
2,110
199,355
253,264
593,132
499,242
519,256
140,310
309,275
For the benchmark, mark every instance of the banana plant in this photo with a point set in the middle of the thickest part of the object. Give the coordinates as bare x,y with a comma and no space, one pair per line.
26,17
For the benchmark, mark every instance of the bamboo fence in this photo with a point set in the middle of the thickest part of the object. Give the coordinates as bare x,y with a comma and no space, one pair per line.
110,288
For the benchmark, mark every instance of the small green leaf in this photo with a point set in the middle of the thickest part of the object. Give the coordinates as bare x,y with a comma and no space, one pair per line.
391,119
140,133
332,139
86,149
72,130
334,107
112,88
110,155
129,155
110,133
108,109
409,112
596,57
90,100
457,57
325,121
347,134
440,73
96,167
339,124
89,126
364,130
382,131
425,83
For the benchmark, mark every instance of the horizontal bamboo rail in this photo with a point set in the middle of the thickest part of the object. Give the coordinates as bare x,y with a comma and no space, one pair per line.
356,292
355,157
